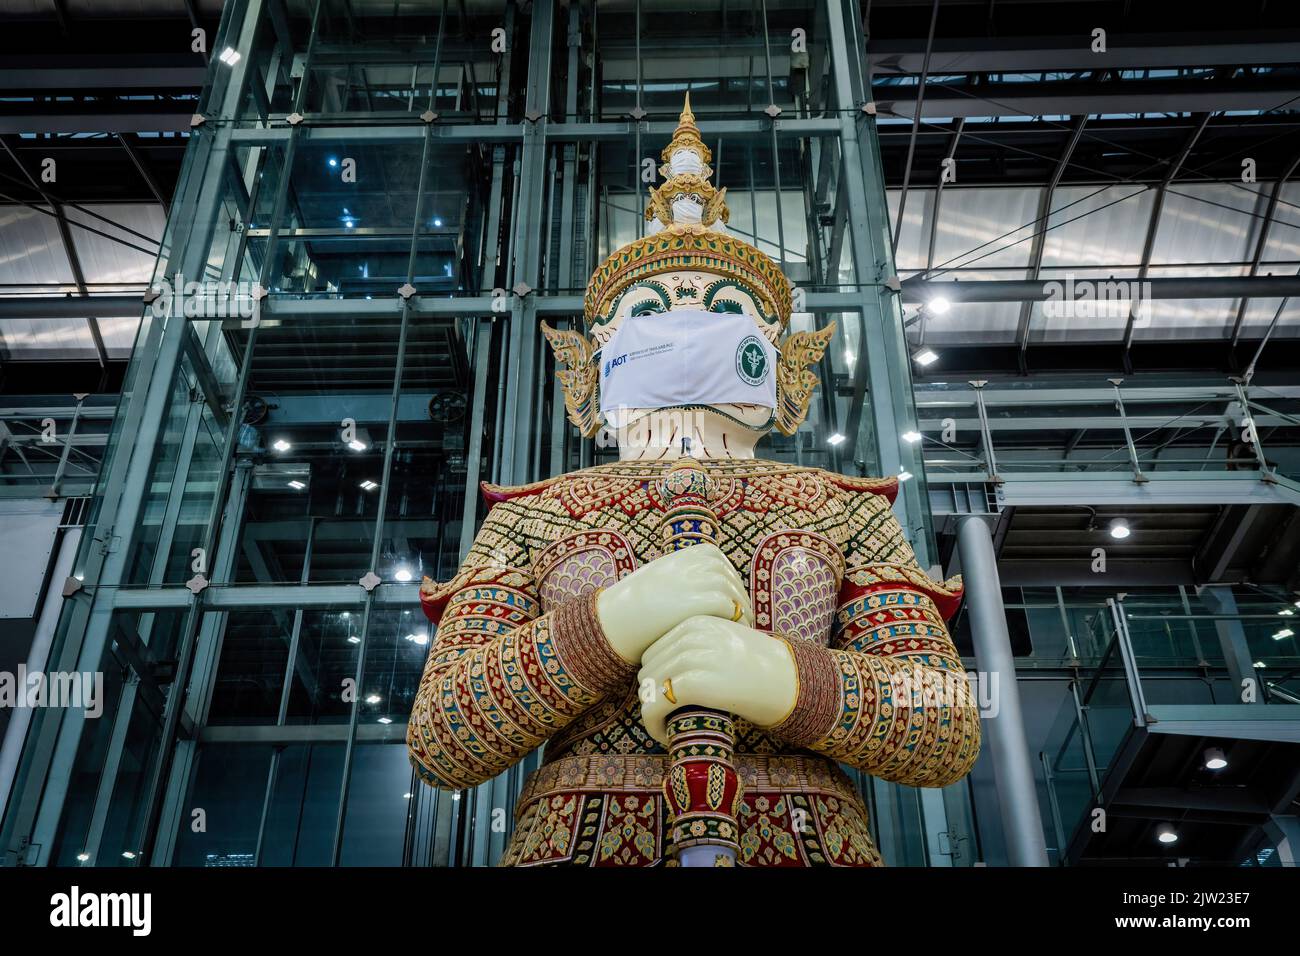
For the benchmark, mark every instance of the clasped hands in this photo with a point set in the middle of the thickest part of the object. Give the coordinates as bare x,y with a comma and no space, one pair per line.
676,617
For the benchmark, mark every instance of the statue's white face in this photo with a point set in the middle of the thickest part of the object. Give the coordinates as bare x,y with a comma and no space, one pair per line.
713,430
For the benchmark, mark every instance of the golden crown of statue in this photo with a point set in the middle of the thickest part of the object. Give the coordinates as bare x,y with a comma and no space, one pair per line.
686,232
677,243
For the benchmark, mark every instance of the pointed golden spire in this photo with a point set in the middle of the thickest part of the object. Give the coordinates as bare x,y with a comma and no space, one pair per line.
687,119
687,137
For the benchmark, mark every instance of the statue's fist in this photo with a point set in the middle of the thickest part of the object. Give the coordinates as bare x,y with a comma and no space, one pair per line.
652,600
707,662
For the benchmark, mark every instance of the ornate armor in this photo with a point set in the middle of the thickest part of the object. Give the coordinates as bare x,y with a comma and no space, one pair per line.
519,661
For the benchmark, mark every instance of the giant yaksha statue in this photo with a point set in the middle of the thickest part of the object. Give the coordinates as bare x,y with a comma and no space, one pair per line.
794,633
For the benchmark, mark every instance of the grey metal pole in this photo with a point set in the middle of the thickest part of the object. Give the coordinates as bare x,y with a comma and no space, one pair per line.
1232,640
1004,733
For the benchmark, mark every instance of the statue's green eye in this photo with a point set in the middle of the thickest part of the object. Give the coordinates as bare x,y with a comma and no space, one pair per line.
649,307
726,305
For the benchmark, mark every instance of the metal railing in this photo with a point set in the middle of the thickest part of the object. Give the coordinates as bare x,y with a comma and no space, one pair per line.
974,431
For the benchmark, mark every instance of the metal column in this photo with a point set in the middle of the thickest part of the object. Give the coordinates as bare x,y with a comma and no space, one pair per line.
1004,733
1232,639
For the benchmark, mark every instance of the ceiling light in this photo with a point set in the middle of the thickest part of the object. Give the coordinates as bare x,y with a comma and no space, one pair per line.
939,305
385,720
128,855
369,485
1165,833
1286,612
333,161
835,439
437,221
353,639
1259,664
1215,759
357,445
402,574
229,56
911,437
373,699
297,485
925,357
455,796
1282,634
1119,529
904,475
418,638
406,796
281,445
83,857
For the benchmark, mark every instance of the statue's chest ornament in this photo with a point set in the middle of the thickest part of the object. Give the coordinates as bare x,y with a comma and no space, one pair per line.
794,575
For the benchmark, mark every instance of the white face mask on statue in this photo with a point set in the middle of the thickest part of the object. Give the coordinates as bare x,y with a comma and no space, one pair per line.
686,357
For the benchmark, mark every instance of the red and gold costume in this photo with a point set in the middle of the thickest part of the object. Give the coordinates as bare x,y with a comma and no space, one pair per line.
520,661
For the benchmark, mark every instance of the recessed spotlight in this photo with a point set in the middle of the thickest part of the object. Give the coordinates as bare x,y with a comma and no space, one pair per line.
904,475
418,638
357,445
282,445
1165,833
835,439
128,855
911,437
939,305
1215,759
83,857
373,699
385,720
229,56
925,357
1283,634
437,221
333,161
297,485
1119,529
402,574
369,485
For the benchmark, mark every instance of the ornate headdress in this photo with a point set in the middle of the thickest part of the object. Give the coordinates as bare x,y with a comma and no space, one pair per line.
686,232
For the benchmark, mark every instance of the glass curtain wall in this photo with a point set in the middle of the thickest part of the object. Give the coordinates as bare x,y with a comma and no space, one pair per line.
388,198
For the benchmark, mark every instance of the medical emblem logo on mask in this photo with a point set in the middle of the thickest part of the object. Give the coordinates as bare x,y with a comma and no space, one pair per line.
684,357
751,361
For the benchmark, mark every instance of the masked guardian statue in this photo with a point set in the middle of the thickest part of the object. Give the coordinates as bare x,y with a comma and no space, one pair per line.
697,637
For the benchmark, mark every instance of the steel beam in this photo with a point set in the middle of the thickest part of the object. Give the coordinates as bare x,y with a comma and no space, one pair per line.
892,57
1262,242
1040,236
1021,290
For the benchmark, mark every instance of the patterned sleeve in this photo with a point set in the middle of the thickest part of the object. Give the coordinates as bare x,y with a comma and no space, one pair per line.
889,696
501,677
